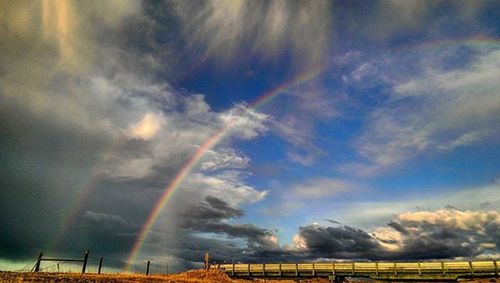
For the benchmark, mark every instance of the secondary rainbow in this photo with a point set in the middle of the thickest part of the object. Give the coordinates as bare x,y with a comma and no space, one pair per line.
213,140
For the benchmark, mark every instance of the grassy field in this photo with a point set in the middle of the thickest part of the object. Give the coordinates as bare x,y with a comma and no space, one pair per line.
212,276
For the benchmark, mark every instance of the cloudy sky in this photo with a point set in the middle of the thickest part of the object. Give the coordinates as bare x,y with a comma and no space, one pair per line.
313,130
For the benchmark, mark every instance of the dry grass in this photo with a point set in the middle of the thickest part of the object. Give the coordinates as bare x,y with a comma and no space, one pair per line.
202,276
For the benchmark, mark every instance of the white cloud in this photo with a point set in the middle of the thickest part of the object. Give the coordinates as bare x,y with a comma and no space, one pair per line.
224,158
228,186
438,111
321,188
463,220
370,213
425,223
299,197
244,122
227,27
147,127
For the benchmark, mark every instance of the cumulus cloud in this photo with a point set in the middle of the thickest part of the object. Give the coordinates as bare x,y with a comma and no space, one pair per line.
444,233
147,127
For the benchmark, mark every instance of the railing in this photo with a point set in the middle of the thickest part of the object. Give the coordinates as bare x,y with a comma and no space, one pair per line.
450,270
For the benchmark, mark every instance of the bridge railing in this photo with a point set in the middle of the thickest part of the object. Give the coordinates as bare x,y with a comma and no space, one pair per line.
449,269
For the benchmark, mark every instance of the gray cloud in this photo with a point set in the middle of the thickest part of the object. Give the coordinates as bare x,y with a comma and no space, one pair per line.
213,209
338,242
89,131
211,216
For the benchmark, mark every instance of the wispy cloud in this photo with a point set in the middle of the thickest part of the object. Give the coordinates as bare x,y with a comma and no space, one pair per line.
436,112
227,29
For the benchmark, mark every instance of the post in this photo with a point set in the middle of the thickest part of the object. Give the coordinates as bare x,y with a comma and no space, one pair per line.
38,260
395,269
248,269
376,267
419,269
233,267
471,269
314,270
147,267
496,268
296,269
281,273
85,258
206,258
100,266
333,268
442,268
264,269
353,271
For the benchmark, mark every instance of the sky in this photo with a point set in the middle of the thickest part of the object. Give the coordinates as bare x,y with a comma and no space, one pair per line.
260,131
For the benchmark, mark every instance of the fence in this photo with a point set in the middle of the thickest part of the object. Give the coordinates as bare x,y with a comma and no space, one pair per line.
84,262
336,271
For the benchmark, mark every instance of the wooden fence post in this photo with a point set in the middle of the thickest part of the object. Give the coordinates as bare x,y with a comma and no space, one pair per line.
100,266
496,268
38,260
147,268
85,258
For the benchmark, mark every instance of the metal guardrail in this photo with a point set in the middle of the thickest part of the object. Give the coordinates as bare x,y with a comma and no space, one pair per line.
430,270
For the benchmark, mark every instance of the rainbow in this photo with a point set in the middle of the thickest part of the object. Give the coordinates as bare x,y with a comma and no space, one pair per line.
213,140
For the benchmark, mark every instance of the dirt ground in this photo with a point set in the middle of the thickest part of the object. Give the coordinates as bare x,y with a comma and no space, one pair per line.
212,276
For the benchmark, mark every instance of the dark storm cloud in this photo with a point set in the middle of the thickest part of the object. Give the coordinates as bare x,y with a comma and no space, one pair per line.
398,227
43,169
338,242
446,233
210,217
213,209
